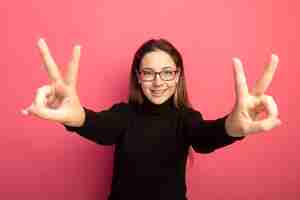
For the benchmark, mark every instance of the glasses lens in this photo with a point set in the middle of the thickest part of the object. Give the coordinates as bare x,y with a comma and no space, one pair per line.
167,75
147,75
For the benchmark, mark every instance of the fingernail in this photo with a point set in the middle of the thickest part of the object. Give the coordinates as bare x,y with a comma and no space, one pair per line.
274,58
274,55
236,60
279,122
41,42
24,112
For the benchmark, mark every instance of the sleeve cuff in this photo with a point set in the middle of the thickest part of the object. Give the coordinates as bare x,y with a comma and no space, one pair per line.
88,115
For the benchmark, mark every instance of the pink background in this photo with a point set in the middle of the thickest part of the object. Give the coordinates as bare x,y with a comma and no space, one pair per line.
41,160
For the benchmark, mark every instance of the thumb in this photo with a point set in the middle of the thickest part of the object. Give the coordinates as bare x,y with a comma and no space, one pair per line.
265,124
44,113
28,111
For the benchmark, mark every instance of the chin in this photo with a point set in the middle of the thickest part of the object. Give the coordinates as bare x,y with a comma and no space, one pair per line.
158,100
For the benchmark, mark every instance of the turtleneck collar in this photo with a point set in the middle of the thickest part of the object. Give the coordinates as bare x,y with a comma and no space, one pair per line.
150,108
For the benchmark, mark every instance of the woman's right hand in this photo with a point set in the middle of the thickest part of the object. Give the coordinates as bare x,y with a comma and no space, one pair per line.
58,101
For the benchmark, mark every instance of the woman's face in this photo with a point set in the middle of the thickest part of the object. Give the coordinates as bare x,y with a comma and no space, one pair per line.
158,90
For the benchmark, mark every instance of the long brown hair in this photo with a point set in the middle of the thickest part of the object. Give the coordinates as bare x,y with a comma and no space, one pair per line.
136,96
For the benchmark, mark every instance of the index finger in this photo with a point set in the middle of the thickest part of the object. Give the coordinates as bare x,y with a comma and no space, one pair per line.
72,72
50,64
241,87
264,82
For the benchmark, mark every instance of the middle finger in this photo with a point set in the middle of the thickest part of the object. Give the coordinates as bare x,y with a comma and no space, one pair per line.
263,83
50,64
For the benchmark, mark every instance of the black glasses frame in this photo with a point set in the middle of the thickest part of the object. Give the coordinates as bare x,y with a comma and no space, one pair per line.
159,73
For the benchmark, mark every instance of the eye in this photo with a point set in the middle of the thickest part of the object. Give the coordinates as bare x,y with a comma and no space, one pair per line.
168,73
147,73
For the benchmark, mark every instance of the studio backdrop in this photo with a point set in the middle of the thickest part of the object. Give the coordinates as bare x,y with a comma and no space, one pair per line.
41,160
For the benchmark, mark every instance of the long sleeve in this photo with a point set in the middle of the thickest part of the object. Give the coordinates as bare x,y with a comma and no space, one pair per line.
104,127
205,136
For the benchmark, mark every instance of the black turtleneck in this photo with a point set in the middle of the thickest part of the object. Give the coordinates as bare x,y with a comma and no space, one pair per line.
151,146
165,108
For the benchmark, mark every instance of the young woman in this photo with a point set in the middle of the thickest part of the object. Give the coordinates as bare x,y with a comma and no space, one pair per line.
155,129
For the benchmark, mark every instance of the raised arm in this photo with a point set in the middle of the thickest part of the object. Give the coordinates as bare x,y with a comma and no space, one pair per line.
104,127
206,136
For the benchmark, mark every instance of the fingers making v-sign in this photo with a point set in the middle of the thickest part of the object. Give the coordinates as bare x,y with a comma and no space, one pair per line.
246,116
58,101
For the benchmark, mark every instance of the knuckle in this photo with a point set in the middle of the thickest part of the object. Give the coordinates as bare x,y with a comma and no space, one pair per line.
43,89
269,98
38,91
264,128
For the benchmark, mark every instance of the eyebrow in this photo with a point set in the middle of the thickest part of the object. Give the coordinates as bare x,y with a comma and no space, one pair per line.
149,68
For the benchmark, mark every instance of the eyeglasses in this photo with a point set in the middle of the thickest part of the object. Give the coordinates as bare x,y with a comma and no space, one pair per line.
165,75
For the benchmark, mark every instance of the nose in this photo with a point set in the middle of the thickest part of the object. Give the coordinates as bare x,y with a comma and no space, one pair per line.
157,80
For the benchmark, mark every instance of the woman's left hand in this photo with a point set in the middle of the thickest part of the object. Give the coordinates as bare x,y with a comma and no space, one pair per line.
246,116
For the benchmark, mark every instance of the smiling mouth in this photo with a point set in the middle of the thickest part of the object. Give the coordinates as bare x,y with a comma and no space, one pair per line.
157,93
